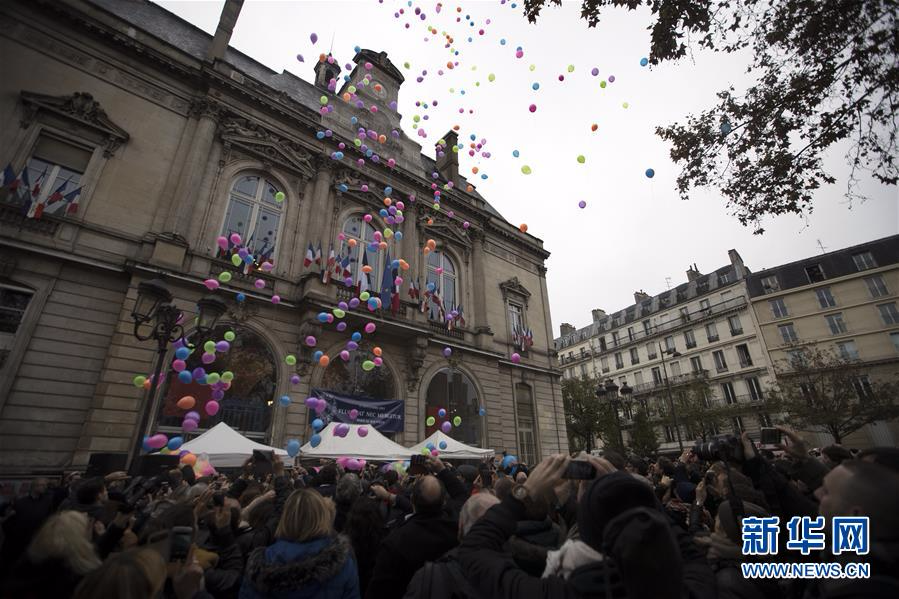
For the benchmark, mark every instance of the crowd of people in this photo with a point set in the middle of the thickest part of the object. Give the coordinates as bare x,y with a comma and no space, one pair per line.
620,526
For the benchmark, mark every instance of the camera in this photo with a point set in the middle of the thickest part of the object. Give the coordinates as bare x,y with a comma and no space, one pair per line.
722,447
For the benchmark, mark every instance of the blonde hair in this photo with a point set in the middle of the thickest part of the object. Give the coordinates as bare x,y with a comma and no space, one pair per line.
65,536
307,515
137,574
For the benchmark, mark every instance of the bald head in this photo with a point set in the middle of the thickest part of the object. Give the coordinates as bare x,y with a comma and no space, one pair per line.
474,509
860,488
428,495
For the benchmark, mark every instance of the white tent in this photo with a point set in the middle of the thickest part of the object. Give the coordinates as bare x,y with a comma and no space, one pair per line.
226,447
374,446
454,449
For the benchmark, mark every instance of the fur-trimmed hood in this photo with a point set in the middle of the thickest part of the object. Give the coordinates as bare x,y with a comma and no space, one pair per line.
286,566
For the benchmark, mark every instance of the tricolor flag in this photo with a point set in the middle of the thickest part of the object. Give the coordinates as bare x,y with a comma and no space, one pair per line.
307,261
364,281
460,319
326,272
414,291
57,195
345,265
71,200
10,181
24,190
318,255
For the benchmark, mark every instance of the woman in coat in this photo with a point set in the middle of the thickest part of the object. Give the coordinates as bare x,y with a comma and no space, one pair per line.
307,559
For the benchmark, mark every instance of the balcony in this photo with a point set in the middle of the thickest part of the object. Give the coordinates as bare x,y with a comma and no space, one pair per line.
680,379
713,338
735,332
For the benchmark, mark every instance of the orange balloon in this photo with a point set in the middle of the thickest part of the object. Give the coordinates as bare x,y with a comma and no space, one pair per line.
470,188
474,170
324,361
366,268
382,138
351,243
376,351
378,88
387,201
432,244
594,127
523,228
427,250
455,127
404,265
430,221
382,245
187,402
189,459
147,384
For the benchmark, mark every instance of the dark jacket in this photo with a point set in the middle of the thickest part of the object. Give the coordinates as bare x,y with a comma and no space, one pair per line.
531,541
322,568
223,581
442,579
50,579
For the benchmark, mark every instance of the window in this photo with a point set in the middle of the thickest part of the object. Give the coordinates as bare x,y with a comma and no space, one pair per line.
814,273
876,286
647,327
696,364
705,306
638,378
847,350
864,261
796,358
727,391
527,432
602,343
584,370
736,327
778,308
619,361
888,313
583,352
755,388
13,302
720,361
669,344
764,420
635,356
809,392
442,273
675,369
724,278
825,297
770,284
254,214
863,388
657,376
615,342
788,333
651,351
690,339
894,337
630,333
836,323
711,332
743,355
685,314
51,180
604,363
737,422
669,434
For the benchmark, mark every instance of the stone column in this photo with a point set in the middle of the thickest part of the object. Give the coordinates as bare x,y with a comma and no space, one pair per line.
478,259
318,226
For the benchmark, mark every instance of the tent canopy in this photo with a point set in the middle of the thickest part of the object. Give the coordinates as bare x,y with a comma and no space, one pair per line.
226,447
454,449
373,446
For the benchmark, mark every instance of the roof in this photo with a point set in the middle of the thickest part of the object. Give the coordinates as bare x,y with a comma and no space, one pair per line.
373,446
454,449
226,447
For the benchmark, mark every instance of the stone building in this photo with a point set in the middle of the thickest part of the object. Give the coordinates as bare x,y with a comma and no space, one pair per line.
142,140
843,302
698,339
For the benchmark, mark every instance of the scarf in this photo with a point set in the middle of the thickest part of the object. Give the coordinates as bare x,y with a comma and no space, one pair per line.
571,555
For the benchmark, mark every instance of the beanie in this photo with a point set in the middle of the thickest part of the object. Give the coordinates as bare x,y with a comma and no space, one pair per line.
606,498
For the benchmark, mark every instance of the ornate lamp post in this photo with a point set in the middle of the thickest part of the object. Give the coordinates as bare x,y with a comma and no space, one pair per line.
674,354
615,396
154,308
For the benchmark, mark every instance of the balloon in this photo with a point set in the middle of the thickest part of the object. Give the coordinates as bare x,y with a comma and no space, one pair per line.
212,378
650,173
310,341
357,336
368,365
192,416
235,239
227,376
211,284
341,326
284,400
222,242
516,358
324,361
523,228
515,153
157,441
377,351
185,377
175,443
338,313
259,284
188,459
447,352
364,296
315,440
725,128
644,62
236,260
290,359
293,447
294,379
318,424
345,355
362,431
222,346
225,276
276,299
532,108
378,361
482,412
582,204
212,407
209,347
508,461
526,170
186,402
370,328
279,196
313,38
430,421
189,425
441,413
139,380
581,159
457,421
446,427
181,353
240,297
207,358
442,445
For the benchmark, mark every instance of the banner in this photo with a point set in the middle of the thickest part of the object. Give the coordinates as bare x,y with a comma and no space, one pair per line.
387,416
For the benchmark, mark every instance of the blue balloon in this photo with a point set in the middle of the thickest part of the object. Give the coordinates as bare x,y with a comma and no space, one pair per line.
146,447
650,173
285,401
383,213
388,190
240,297
357,336
398,235
316,440
320,135
482,412
726,128
323,317
185,377
515,153
317,355
293,447
644,62
354,120
431,286
441,413
175,443
395,264
442,445
318,424
430,446
343,188
181,353
535,87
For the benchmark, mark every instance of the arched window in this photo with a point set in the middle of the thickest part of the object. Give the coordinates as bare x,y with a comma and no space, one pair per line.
348,378
453,391
361,253
246,405
254,214
442,273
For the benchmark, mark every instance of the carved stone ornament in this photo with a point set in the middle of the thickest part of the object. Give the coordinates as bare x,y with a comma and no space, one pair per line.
207,107
80,107
513,287
256,140
415,359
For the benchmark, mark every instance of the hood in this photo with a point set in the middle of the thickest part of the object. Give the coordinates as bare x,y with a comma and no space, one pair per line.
644,549
289,566
538,532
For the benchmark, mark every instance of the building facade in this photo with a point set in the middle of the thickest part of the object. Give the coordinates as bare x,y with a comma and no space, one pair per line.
137,140
699,338
844,302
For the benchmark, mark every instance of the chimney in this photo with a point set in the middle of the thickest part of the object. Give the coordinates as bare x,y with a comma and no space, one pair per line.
598,314
448,158
222,38
693,273
737,262
640,296
566,329
325,70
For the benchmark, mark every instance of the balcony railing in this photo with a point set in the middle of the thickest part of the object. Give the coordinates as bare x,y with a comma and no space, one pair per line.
680,379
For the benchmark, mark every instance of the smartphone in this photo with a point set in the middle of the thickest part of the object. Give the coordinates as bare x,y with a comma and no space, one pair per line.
771,436
180,540
486,476
579,470
417,464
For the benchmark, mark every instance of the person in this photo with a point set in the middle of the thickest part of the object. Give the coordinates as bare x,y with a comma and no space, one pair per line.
326,481
136,574
444,578
28,514
627,546
59,556
90,498
366,527
430,532
349,488
307,559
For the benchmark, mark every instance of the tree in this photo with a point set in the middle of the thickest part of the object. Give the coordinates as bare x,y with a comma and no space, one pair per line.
586,418
820,391
824,72
643,440
696,414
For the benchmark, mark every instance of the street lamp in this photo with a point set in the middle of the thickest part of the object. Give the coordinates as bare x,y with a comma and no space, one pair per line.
613,394
154,307
674,354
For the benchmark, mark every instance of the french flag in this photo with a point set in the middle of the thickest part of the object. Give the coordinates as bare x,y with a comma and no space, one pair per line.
307,261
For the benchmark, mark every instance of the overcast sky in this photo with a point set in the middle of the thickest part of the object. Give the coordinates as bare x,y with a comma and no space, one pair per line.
635,232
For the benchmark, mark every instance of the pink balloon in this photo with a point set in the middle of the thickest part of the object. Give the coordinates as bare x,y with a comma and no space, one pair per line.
370,327
235,239
353,414
211,284
516,358
345,356
363,431
207,358
179,365
157,441
212,408
276,299
222,242
378,361
267,266
259,284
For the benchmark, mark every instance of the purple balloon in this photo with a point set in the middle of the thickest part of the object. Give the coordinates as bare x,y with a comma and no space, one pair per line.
446,427
352,345
192,415
295,379
189,425
222,346
354,302
311,402
198,373
208,358
342,305
341,326
218,394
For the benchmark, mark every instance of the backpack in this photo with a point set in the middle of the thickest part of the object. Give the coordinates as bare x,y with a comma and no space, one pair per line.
440,580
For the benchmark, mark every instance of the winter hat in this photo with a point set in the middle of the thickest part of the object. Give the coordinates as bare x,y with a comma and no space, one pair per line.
606,498
685,491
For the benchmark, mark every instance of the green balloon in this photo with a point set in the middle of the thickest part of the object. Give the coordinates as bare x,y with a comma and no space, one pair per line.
457,420
368,365
364,296
430,421
209,346
291,360
230,336
526,169
225,276
236,260
279,196
139,380
338,313
213,377
227,376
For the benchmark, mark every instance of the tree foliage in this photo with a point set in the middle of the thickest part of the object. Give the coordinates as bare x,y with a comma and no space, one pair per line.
820,391
696,414
642,439
586,418
823,72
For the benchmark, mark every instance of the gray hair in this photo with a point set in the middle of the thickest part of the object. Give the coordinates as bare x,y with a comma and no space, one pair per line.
474,509
349,487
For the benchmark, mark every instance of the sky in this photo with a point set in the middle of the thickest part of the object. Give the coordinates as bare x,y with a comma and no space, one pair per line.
635,232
